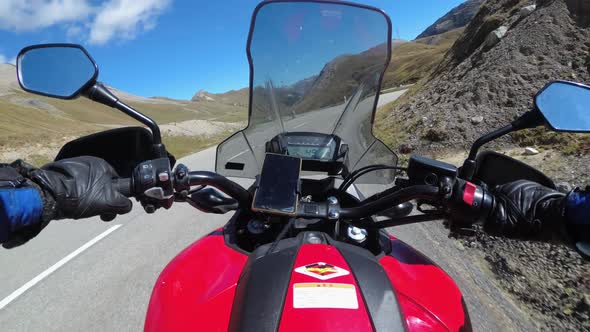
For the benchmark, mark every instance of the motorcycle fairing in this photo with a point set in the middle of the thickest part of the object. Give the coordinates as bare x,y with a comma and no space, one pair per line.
196,290
420,283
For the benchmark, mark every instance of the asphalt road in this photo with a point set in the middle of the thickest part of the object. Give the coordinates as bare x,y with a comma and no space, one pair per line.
95,276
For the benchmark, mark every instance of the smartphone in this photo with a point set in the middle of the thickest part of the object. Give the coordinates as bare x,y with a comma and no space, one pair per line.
278,185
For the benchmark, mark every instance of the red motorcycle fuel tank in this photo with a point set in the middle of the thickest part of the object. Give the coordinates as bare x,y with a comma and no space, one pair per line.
196,290
307,283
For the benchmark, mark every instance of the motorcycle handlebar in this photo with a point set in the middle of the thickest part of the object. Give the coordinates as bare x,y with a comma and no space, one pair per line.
470,202
467,202
222,183
386,202
124,186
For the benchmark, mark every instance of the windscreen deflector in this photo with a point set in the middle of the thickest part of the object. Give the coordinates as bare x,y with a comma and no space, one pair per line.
315,67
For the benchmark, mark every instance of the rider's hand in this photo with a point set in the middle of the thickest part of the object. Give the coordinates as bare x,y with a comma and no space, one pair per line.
22,214
577,213
526,209
82,187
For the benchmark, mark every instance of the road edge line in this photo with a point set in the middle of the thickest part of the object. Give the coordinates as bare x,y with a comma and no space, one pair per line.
55,266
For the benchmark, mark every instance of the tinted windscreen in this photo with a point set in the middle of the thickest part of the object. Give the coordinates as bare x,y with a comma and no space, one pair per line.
316,68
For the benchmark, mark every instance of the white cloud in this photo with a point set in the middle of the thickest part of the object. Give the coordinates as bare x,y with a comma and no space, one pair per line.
4,59
29,15
120,19
125,18
73,31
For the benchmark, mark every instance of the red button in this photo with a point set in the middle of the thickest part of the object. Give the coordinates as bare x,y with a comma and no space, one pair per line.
469,193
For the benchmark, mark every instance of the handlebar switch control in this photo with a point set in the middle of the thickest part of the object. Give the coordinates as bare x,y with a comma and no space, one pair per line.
470,202
425,171
181,179
153,185
312,210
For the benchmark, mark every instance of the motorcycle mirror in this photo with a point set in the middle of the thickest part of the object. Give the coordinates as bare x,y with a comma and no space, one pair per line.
56,70
565,106
66,71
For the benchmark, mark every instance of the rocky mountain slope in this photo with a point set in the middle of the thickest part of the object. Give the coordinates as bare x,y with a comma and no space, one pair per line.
234,97
510,50
412,61
457,18
507,53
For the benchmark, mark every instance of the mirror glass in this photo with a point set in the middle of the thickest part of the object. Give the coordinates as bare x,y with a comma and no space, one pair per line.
56,71
565,106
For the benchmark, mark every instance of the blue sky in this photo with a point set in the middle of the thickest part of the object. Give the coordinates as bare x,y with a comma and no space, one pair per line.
167,48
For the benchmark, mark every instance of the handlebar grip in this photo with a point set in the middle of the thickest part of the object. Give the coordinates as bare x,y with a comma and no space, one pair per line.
470,202
124,186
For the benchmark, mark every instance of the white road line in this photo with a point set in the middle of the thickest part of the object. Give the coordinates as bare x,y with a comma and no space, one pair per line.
300,125
56,266
239,154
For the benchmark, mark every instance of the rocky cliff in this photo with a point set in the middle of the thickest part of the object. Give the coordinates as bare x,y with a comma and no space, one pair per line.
509,51
457,18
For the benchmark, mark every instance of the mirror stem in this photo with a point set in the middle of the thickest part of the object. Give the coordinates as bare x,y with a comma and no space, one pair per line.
488,138
530,119
470,165
99,93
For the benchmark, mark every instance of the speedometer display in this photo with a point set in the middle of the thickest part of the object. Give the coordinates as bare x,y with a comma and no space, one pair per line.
311,146
307,152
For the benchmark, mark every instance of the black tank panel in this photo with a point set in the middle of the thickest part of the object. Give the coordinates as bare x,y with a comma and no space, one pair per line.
264,283
375,286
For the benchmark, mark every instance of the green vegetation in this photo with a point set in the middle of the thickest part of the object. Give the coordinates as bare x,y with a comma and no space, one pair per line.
29,118
412,61
181,146
568,144
388,127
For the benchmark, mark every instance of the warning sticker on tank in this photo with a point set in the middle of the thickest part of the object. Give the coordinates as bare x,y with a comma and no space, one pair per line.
322,271
324,295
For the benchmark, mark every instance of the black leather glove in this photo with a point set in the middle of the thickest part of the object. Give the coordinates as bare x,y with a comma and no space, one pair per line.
81,187
13,235
526,209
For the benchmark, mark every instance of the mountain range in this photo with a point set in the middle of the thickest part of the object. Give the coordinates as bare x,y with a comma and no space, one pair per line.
458,17
29,119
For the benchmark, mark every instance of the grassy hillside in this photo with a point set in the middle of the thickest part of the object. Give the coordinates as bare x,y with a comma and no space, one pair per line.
411,61
37,126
